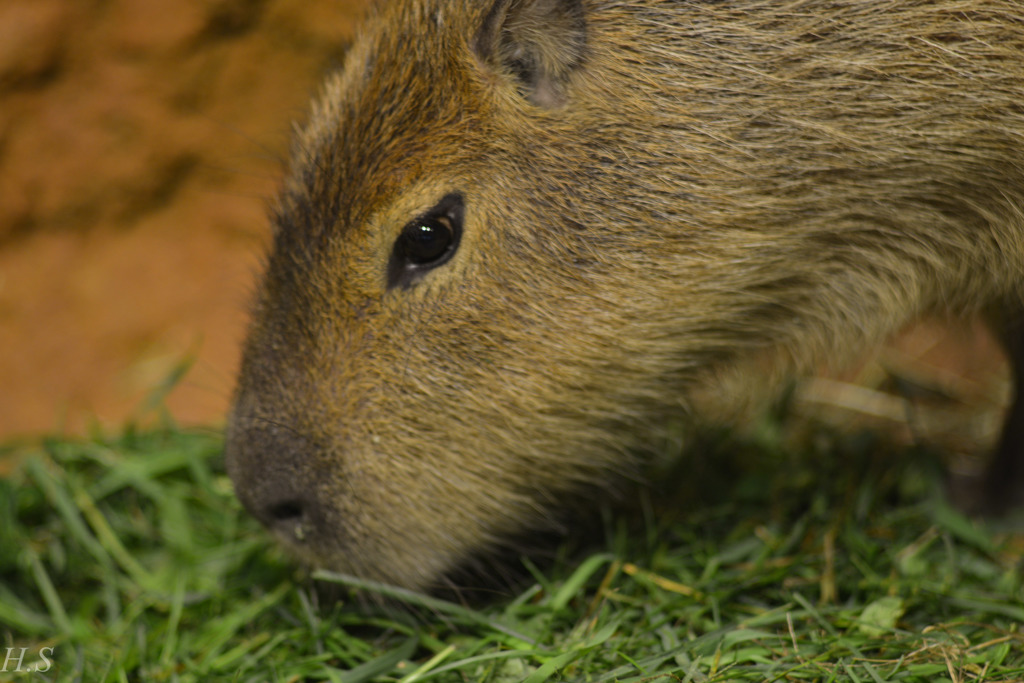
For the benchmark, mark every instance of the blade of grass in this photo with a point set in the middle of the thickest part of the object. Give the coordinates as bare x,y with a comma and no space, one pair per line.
384,664
425,668
418,599
49,594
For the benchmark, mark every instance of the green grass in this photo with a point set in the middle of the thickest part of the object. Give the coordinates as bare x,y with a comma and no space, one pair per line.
130,559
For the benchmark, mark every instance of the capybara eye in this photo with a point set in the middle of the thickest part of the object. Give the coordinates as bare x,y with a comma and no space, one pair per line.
426,242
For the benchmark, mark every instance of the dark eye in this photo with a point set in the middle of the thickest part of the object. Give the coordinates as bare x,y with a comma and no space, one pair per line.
426,242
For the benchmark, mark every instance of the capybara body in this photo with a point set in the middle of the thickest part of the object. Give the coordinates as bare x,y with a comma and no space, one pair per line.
518,236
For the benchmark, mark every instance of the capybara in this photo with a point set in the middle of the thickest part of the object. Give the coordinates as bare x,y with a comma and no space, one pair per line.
518,237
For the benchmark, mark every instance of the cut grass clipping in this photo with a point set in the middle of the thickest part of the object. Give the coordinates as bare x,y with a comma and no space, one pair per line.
128,559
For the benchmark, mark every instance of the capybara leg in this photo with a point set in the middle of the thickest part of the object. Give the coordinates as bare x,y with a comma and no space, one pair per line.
1004,480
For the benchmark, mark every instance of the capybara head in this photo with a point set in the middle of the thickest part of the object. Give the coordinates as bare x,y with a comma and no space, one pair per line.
518,237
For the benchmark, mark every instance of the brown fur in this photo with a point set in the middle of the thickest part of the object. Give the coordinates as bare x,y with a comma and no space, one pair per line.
659,196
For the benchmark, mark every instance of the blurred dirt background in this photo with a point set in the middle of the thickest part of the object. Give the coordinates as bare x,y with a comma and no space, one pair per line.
140,141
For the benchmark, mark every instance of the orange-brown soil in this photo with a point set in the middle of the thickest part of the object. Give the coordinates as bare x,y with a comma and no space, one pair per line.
139,145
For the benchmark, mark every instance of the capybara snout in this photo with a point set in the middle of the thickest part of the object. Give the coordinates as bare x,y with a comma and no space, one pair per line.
519,236
276,492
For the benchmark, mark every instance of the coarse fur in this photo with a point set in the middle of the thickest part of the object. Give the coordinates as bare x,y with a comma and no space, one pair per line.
660,197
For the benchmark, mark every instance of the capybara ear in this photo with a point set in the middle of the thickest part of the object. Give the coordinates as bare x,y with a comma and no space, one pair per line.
539,42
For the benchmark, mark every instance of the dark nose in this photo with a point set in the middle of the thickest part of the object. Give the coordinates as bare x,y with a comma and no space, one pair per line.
266,464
